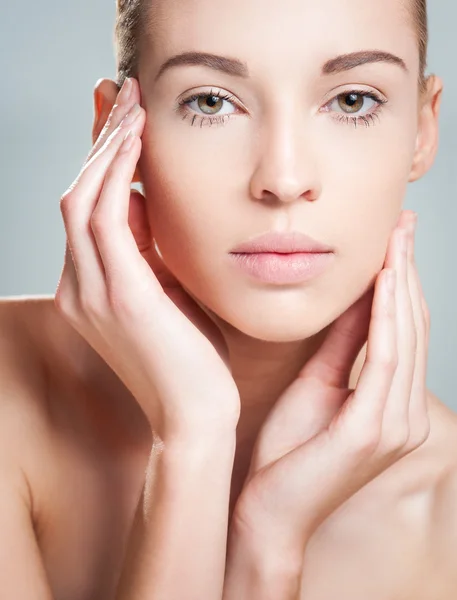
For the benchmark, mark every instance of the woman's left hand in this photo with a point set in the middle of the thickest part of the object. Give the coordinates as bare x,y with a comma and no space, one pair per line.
322,441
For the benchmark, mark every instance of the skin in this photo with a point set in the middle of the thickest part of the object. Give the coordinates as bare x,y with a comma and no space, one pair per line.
267,178
109,420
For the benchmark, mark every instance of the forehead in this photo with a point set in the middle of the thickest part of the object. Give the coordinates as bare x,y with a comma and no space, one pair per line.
269,33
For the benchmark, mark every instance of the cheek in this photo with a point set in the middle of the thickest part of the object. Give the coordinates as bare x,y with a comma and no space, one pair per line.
195,204
364,180
184,209
364,184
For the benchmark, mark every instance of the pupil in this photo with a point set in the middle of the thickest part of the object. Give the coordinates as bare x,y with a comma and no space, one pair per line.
212,100
352,99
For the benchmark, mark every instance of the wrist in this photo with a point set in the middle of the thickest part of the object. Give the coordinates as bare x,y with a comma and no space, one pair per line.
196,435
187,435
187,463
271,545
261,566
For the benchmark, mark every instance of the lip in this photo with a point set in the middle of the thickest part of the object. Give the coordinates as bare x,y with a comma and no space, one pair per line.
283,243
280,269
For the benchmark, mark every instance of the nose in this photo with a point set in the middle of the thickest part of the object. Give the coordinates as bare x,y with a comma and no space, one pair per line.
286,168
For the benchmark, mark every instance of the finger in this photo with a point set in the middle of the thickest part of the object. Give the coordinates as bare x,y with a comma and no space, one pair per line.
66,296
418,409
125,268
332,363
126,98
94,271
395,426
138,221
144,238
78,205
360,418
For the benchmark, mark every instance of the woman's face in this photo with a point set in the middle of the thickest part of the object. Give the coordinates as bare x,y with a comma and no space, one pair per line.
287,155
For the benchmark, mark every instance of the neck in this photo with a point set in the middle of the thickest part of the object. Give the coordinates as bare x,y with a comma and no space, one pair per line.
262,371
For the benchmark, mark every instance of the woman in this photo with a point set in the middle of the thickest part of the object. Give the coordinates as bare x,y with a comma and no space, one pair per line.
189,417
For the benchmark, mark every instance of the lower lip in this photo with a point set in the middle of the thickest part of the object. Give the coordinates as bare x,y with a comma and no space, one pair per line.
272,267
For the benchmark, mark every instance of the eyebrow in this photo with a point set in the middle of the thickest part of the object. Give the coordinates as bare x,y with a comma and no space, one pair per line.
238,68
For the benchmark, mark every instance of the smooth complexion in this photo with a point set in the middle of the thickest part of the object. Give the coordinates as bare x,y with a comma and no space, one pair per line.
287,159
282,152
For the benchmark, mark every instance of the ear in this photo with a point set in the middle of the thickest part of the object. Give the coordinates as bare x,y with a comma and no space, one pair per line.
105,95
428,128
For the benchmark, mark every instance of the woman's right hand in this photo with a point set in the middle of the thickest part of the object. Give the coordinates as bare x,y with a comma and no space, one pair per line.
118,294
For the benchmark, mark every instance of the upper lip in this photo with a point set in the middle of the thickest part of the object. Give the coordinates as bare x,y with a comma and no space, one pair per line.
285,243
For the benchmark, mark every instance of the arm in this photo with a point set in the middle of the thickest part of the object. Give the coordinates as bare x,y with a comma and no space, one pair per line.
261,564
178,541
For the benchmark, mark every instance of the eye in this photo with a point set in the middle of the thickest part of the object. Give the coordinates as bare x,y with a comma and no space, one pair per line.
352,102
210,104
207,107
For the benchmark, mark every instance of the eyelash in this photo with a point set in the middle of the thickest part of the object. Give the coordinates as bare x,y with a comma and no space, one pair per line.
341,117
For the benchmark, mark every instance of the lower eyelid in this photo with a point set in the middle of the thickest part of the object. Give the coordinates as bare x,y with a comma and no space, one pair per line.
340,116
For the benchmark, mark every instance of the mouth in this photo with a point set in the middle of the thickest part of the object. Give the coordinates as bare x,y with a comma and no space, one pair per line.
282,268
282,243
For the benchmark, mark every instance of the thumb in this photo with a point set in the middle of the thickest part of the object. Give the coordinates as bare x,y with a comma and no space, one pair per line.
144,237
138,221
333,362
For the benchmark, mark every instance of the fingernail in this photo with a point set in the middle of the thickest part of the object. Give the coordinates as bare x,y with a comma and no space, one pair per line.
132,115
128,141
126,90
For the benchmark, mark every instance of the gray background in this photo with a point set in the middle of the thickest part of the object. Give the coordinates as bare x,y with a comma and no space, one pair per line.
51,55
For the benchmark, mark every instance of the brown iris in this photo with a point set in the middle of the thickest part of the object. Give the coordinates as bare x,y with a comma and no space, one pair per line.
205,102
352,101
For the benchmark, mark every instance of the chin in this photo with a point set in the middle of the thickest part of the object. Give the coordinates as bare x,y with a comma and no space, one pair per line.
280,330
278,315
273,323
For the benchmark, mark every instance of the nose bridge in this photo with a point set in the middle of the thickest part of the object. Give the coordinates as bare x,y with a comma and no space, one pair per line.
286,165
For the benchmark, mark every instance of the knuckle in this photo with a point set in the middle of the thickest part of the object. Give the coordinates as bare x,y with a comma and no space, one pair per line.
395,439
99,223
66,200
65,304
120,304
90,306
366,442
420,435
387,362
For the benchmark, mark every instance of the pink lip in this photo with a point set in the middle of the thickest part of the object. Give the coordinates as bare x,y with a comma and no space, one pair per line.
286,243
278,268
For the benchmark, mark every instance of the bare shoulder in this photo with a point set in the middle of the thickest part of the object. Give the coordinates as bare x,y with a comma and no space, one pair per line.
445,448
22,433
22,373
23,406
69,483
